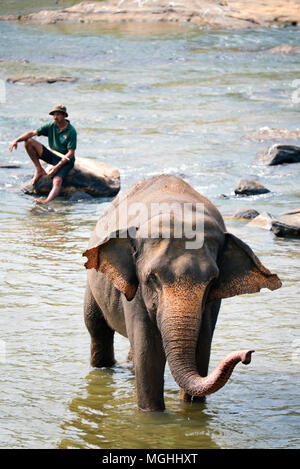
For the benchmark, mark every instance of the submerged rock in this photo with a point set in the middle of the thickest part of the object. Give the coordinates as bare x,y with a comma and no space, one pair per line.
7,60
293,211
34,80
9,165
279,154
246,214
248,187
286,50
266,133
76,196
92,177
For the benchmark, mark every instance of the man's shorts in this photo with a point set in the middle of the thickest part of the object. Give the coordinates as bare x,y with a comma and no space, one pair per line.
53,159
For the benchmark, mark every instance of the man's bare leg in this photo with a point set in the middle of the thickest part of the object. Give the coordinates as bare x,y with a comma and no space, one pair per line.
57,182
34,150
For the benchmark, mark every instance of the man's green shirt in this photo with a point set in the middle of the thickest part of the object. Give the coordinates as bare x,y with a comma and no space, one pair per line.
59,140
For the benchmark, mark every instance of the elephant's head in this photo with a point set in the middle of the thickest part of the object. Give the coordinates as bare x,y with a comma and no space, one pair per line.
176,283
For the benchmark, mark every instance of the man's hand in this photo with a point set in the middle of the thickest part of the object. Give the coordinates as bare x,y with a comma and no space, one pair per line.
64,159
22,138
52,171
13,145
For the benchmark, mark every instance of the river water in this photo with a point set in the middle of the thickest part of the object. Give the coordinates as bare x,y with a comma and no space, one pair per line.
148,100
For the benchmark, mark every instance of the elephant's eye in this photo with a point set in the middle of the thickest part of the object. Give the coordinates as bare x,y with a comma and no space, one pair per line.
156,280
152,278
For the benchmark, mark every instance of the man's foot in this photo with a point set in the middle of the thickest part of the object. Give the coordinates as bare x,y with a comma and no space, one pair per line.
37,176
40,201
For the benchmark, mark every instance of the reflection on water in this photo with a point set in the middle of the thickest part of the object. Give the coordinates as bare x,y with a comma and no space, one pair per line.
105,416
147,101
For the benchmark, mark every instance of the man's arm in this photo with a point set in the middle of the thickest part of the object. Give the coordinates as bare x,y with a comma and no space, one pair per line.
68,156
22,138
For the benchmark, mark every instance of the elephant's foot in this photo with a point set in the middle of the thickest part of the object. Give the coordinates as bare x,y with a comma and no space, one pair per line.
184,397
130,355
150,401
100,357
130,360
152,408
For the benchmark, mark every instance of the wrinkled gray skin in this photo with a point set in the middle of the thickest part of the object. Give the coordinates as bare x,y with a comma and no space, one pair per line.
164,297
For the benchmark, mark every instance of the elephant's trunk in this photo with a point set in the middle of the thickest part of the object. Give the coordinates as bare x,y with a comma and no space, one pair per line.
195,385
179,323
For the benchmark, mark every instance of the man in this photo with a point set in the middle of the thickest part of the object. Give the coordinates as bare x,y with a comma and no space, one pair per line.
62,140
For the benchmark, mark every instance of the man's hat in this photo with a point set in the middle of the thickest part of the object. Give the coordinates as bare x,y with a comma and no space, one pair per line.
59,108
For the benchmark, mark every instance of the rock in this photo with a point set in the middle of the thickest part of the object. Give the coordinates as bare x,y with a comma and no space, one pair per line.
264,220
248,187
41,187
238,14
279,154
88,176
76,196
246,214
292,211
33,80
7,60
287,226
286,50
265,133
9,165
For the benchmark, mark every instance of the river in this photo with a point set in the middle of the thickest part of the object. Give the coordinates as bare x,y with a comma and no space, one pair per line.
148,100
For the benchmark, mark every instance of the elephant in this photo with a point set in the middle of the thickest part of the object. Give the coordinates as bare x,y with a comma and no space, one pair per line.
163,294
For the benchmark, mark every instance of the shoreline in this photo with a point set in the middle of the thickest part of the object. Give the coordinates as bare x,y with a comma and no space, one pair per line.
214,14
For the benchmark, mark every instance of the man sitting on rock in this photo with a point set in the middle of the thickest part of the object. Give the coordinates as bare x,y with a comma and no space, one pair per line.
62,139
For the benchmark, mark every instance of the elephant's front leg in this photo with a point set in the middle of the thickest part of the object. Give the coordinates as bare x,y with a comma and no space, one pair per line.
149,358
207,327
102,336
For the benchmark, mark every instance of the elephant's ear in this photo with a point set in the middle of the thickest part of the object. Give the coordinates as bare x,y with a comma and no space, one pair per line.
240,271
114,258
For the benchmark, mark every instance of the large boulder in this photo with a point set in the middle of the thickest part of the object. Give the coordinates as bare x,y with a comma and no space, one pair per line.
238,14
248,187
88,176
279,154
287,225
